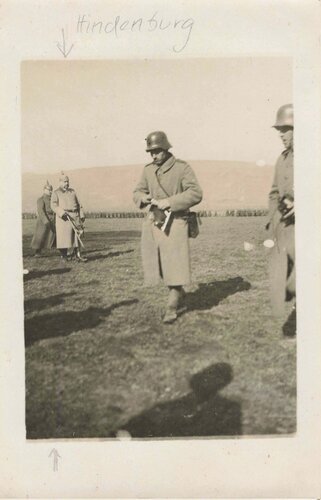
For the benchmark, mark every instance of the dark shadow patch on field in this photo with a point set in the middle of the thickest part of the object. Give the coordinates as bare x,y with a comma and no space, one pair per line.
45,254
109,255
110,238
29,252
289,327
211,294
48,272
202,412
38,304
88,283
64,323
102,240
93,250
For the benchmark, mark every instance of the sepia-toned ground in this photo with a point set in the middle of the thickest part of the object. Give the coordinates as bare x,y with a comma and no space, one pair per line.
99,361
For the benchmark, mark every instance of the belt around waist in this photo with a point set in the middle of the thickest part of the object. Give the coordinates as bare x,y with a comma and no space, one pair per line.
73,211
180,215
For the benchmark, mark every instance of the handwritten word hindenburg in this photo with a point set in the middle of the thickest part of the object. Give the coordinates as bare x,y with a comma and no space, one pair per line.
139,25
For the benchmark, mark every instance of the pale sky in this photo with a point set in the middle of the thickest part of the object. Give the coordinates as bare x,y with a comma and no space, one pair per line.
78,114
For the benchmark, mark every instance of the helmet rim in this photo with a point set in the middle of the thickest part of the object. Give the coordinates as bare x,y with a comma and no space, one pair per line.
284,116
157,140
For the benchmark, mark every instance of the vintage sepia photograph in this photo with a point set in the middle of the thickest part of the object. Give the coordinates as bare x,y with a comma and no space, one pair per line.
158,225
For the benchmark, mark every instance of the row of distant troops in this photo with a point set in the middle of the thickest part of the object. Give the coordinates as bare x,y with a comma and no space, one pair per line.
168,188
247,212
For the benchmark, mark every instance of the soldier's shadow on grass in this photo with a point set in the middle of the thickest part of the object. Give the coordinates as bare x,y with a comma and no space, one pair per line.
94,250
120,237
38,304
211,294
108,255
109,238
61,324
48,272
202,412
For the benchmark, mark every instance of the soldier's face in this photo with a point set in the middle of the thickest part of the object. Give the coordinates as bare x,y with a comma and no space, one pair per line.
159,156
65,184
286,134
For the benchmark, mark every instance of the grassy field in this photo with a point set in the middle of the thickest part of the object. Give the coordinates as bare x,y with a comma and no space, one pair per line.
99,360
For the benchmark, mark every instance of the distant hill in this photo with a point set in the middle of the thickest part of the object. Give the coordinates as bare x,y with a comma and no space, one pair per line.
225,184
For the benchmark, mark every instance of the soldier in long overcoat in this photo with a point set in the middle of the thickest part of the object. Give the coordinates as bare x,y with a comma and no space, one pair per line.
281,217
169,184
44,236
65,204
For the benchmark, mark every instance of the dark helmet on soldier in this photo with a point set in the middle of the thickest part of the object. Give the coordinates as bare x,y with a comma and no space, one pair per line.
157,140
284,116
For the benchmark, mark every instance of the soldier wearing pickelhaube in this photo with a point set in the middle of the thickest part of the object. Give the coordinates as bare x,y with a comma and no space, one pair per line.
44,236
281,216
170,185
65,204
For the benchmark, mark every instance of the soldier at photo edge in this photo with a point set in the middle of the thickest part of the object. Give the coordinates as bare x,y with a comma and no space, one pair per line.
69,212
170,185
282,220
44,236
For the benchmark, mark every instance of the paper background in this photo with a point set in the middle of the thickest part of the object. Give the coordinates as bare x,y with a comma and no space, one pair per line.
245,467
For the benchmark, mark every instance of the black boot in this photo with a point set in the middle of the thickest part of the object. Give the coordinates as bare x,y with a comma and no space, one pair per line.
172,304
79,258
63,254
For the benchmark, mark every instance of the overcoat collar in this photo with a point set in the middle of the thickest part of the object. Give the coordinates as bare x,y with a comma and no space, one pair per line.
167,165
286,152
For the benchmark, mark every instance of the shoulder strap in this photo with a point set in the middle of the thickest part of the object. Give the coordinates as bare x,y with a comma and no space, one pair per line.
160,185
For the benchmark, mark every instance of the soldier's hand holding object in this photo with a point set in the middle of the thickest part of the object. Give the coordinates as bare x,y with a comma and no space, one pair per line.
286,207
64,217
162,204
145,199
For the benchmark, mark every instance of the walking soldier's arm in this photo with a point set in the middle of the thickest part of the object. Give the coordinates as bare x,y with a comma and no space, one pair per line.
141,193
192,192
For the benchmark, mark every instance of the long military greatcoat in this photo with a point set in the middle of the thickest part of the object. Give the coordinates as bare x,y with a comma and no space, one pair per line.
44,236
61,202
282,260
167,255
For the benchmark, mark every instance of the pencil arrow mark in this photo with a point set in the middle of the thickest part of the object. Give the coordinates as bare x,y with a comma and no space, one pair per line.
56,455
62,47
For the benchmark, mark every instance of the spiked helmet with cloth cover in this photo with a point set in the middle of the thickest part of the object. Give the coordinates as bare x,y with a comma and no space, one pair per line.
48,186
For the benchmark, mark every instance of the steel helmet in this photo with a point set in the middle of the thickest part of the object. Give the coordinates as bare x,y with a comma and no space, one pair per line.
156,140
284,116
